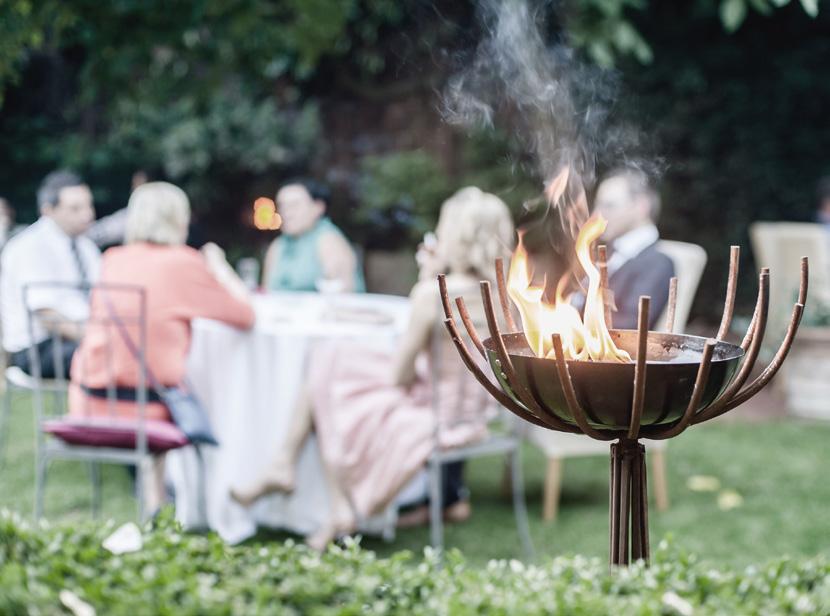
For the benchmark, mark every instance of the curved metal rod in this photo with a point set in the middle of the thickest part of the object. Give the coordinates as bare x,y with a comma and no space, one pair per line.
602,264
640,368
717,408
672,305
750,331
520,391
468,325
479,375
770,371
445,297
781,354
577,412
731,290
505,304
702,379
805,281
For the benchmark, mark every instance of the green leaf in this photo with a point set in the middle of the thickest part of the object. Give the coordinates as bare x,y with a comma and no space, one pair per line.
762,6
810,7
732,14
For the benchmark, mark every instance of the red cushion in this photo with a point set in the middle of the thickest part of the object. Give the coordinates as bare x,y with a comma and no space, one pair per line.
118,433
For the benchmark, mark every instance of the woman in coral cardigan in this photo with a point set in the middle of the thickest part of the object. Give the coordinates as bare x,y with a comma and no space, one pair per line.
180,284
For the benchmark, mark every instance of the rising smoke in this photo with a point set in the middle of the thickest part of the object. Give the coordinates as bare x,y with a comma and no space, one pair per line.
559,106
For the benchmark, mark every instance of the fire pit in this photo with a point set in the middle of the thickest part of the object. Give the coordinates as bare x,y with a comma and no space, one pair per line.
666,383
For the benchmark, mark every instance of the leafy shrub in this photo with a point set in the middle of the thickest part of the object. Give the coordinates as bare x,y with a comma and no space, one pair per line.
176,573
400,196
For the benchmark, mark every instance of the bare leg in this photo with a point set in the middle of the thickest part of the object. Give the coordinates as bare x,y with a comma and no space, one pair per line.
279,475
341,518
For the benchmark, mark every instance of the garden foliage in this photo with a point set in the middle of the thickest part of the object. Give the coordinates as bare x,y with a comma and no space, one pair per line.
177,573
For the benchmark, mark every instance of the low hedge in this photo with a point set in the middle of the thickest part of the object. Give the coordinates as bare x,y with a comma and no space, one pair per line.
177,573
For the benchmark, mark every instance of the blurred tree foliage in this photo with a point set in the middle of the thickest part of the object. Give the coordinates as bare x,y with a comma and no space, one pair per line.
207,93
226,97
743,123
400,194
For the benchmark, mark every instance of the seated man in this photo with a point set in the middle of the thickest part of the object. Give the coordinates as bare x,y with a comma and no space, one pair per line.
635,266
312,253
51,250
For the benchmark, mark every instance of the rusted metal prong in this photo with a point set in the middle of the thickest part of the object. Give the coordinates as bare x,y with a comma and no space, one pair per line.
479,375
671,309
660,433
781,354
468,325
770,371
640,368
757,339
805,281
750,331
731,290
506,365
602,264
445,297
576,410
503,300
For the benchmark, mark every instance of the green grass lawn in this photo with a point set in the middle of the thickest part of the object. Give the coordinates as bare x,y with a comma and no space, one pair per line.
779,468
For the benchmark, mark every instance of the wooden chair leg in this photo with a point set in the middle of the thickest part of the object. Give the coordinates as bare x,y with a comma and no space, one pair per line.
553,489
658,473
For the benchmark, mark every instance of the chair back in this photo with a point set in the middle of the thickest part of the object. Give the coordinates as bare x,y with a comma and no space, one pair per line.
689,261
116,310
780,246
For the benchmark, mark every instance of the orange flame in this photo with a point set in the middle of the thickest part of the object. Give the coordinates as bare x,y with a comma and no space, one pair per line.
582,338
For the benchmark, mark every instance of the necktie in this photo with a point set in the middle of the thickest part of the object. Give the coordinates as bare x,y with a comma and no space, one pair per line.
79,262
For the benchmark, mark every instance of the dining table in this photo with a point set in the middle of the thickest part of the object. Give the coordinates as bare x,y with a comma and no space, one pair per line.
248,383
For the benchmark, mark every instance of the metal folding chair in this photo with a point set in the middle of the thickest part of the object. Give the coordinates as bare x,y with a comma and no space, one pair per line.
504,440
506,443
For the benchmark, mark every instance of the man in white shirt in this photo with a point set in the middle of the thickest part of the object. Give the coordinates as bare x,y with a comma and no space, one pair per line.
635,267
52,250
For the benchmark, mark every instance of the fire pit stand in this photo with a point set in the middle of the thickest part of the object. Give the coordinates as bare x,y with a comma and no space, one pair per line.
675,381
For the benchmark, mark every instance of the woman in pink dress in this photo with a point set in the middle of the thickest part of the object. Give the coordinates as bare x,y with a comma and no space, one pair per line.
378,415
180,284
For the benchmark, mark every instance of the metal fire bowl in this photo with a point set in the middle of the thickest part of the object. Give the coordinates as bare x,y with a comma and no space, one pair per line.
605,389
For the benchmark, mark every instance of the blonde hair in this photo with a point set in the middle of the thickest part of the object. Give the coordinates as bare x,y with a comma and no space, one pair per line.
474,228
158,212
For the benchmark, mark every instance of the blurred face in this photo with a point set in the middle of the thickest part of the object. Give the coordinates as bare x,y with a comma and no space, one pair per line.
299,212
74,212
620,208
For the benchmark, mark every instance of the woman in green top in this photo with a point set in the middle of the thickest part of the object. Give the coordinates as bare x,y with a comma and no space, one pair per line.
312,253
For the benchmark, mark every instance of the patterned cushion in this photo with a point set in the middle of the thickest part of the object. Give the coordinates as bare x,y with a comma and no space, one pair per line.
118,433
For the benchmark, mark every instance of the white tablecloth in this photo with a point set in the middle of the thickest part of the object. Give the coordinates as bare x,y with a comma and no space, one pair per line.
248,383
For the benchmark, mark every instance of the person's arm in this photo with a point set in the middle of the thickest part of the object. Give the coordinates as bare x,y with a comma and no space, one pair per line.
270,263
338,260
55,323
423,308
224,273
204,295
42,297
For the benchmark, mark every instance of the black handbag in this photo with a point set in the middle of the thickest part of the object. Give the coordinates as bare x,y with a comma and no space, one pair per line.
185,409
